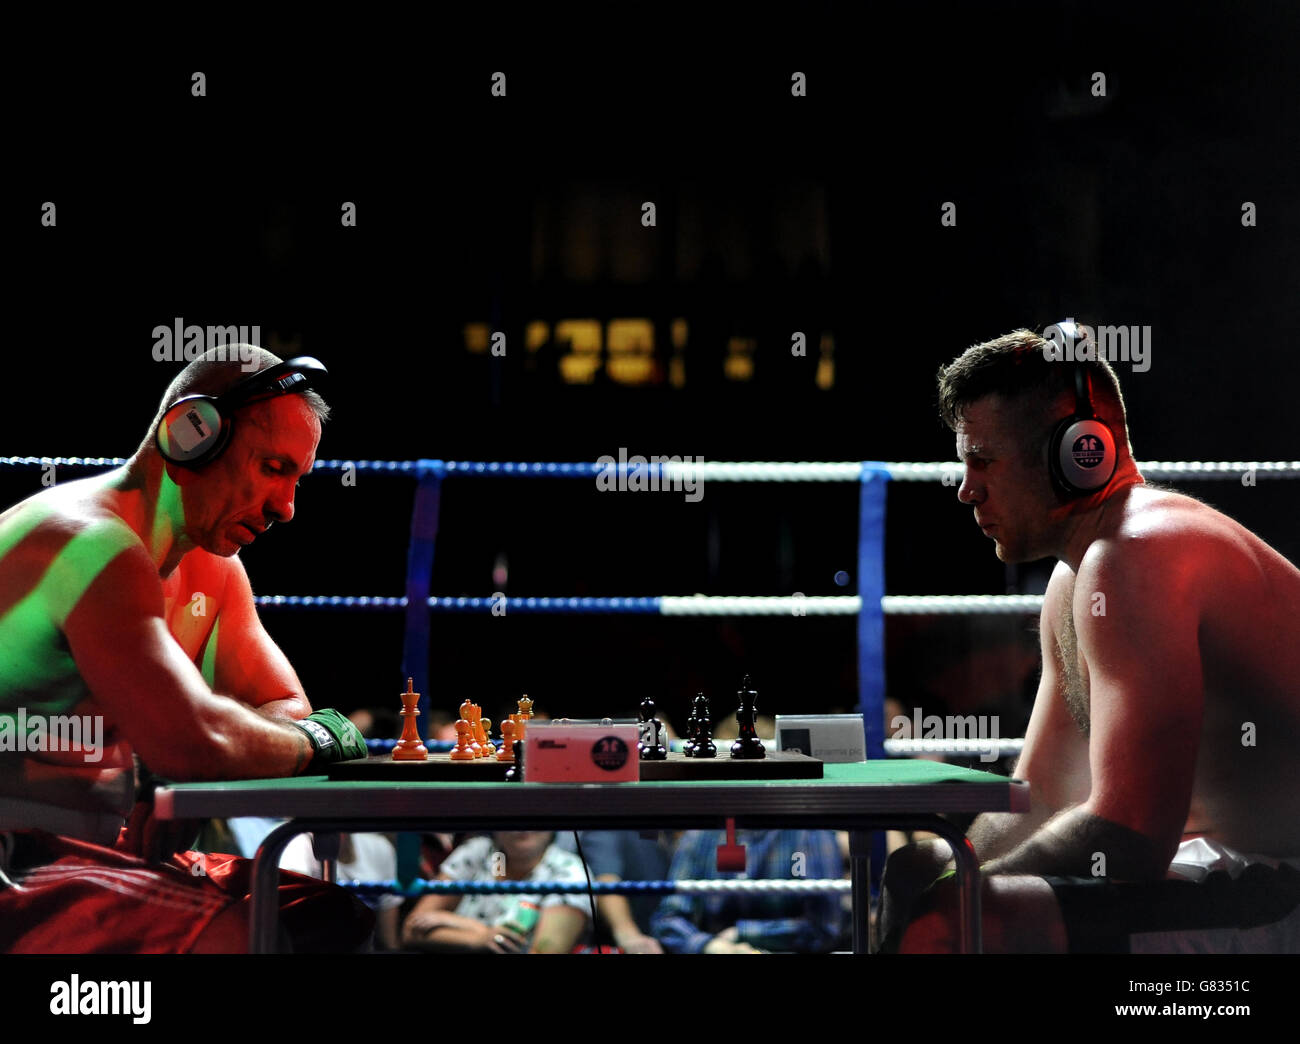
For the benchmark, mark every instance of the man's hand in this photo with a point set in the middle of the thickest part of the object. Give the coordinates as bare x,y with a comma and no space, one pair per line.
728,941
333,737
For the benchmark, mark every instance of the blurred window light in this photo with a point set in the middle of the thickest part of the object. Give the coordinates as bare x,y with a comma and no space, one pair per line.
536,334
826,363
582,337
739,363
631,350
477,337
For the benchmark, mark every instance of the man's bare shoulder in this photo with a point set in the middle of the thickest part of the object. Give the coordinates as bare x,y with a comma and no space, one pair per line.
1167,536
45,523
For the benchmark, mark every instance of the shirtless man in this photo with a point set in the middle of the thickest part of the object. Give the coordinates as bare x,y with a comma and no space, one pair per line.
1169,704
122,597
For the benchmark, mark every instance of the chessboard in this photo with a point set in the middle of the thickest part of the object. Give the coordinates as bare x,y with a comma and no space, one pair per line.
440,768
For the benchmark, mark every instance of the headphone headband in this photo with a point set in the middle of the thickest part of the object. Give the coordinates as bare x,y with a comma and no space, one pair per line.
292,375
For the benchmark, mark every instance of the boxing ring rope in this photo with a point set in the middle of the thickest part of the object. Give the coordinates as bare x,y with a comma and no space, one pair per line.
721,471
420,887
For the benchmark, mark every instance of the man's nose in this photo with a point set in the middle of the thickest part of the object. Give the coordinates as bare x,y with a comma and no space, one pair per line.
279,506
969,492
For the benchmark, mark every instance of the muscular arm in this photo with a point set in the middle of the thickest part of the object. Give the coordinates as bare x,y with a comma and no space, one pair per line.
1054,761
1146,702
249,665
151,691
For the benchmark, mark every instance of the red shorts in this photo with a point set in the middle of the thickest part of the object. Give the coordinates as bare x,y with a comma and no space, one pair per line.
75,897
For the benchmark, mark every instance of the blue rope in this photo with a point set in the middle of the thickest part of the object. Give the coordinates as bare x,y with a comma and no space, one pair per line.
385,746
640,604
424,887
548,605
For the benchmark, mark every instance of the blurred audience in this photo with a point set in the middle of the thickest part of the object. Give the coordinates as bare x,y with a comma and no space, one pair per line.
497,922
733,922
625,855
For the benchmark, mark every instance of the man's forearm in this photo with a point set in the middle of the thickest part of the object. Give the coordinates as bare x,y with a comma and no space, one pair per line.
995,834
1077,843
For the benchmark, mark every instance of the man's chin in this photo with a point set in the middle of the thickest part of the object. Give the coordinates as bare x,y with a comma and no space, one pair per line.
222,547
1009,555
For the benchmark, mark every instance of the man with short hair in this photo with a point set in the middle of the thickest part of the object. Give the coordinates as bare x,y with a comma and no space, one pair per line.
1163,739
123,599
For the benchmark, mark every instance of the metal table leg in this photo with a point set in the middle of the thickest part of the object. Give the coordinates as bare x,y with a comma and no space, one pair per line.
860,875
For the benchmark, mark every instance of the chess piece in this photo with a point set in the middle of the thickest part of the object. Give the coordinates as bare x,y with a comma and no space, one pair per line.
467,716
489,748
525,708
507,752
748,747
515,773
688,747
651,745
703,717
409,747
464,750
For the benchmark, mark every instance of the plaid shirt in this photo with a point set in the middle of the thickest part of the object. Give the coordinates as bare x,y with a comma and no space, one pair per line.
684,923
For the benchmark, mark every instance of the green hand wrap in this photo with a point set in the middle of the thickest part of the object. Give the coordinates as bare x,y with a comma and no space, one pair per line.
333,737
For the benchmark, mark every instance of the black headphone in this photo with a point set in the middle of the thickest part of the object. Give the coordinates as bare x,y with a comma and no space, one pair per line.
1081,454
194,430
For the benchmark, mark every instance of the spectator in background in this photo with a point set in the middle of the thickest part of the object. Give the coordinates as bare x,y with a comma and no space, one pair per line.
732,922
496,922
625,855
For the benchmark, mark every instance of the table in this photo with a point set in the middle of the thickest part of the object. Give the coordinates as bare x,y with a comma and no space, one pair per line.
859,798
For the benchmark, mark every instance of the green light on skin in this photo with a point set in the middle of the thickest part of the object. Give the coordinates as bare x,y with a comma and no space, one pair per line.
36,662
168,517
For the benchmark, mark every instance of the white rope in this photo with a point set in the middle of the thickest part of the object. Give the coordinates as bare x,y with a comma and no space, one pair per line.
959,605
759,605
1003,747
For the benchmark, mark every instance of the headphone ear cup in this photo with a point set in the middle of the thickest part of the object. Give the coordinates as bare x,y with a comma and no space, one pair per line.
192,431
1082,455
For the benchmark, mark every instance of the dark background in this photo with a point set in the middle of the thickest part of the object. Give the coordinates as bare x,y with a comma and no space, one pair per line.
775,214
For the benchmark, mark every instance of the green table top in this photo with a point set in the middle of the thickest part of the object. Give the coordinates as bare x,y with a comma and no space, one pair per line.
902,786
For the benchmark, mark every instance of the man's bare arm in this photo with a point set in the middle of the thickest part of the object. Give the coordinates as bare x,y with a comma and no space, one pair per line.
1054,760
249,665
157,698
1146,697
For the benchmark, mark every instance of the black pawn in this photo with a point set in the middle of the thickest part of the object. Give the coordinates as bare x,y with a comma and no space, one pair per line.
692,727
703,718
748,747
515,773
651,745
